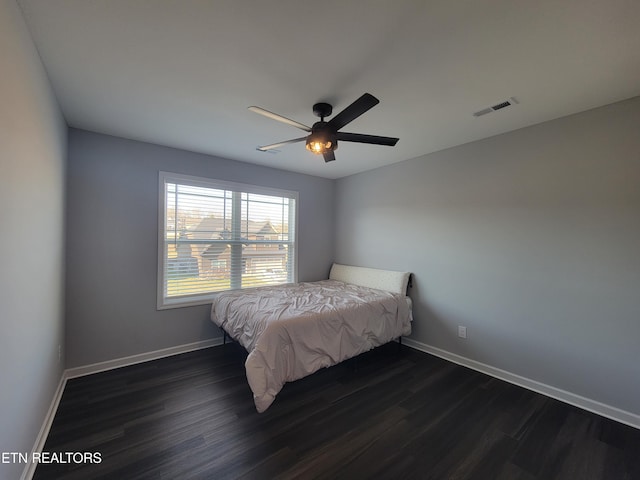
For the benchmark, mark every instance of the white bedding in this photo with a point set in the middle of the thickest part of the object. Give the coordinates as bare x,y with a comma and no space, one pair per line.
293,330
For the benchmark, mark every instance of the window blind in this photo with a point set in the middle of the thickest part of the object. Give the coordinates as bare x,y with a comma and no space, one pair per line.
218,236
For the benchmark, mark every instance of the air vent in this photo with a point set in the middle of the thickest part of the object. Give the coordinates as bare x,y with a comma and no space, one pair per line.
501,105
496,107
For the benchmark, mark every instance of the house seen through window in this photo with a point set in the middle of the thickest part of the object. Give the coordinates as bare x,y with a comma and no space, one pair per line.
218,236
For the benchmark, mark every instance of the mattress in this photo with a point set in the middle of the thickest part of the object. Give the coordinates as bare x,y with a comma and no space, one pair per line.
293,330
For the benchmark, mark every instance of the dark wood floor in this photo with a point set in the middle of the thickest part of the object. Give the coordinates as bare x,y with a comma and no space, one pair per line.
393,414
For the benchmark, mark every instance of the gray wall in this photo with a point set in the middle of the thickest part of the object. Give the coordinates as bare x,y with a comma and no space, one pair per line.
531,239
112,239
32,163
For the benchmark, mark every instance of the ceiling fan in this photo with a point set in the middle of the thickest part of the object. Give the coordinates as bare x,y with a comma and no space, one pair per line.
323,136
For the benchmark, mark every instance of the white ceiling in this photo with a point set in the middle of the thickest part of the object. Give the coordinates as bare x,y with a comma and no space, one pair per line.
183,72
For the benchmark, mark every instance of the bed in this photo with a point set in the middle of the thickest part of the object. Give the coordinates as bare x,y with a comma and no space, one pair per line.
293,330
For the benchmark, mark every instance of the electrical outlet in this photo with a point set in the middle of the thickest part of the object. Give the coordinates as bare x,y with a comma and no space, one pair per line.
462,331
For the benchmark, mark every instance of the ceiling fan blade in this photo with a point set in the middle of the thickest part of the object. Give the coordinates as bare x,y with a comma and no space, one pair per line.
353,111
280,144
361,138
279,118
329,156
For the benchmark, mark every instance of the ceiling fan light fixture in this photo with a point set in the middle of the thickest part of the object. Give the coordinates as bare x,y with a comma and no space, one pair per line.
319,145
321,140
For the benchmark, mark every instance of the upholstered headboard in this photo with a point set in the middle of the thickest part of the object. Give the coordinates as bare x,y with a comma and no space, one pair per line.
388,280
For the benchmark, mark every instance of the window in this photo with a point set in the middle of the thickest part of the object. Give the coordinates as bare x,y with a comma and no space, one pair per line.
216,236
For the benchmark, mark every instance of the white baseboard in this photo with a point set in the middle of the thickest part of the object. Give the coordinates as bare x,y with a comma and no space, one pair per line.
579,401
30,468
140,358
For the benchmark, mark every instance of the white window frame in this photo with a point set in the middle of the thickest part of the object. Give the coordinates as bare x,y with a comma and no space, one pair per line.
167,177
